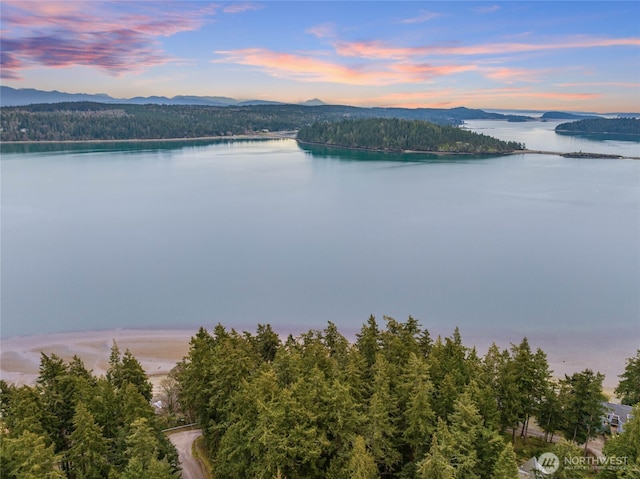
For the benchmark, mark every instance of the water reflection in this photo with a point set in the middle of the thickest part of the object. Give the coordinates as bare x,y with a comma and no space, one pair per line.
120,146
599,137
349,154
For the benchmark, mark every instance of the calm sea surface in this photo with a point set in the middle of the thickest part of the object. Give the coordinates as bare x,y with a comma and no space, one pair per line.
183,235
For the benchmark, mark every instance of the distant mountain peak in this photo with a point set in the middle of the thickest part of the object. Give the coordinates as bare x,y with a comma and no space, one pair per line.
313,102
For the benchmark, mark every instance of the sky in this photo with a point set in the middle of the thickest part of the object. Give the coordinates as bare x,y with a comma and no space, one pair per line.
540,55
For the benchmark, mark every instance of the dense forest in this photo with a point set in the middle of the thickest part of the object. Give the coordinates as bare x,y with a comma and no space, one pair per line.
615,126
395,403
76,426
403,135
101,121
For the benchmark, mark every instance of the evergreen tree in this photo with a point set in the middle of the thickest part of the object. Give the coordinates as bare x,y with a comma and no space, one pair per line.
419,419
267,342
581,397
435,465
628,389
141,442
361,465
506,466
155,469
381,426
88,454
27,456
195,373
567,450
368,341
462,443
126,369
549,412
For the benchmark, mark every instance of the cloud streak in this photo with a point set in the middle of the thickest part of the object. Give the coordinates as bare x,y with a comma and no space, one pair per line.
448,97
300,67
102,35
242,7
381,50
424,16
378,63
308,68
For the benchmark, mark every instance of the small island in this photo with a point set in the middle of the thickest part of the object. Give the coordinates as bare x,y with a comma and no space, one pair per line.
563,115
396,135
602,126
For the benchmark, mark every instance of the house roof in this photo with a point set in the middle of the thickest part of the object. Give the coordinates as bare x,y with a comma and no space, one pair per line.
619,410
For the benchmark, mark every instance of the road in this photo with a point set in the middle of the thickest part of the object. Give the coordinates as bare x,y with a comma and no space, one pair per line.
183,441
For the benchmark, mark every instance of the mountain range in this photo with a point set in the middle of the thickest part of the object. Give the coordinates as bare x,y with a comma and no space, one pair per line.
27,96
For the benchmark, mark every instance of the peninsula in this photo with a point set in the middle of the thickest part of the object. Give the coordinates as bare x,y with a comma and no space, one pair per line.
398,135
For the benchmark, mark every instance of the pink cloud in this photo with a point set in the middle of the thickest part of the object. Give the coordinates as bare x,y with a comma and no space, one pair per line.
326,30
424,71
302,67
512,75
607,83
479,98
523,93
307,68
377,49
103,35
422,99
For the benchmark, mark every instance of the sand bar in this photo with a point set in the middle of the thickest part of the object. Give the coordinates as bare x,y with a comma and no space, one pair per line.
157,350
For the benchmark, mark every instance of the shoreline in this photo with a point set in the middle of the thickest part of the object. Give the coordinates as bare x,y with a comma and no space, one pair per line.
291,134
159,350
463,154
275,135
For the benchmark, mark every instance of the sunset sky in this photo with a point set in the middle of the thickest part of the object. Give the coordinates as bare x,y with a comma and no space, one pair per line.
542,55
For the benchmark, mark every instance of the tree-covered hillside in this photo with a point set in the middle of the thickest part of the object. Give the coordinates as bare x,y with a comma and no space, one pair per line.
615,126
100,121
403,135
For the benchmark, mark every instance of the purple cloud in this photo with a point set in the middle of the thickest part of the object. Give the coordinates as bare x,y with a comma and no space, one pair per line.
114,37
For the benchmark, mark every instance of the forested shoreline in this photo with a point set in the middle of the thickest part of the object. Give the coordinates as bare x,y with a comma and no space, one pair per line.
394,403
77,121
398,135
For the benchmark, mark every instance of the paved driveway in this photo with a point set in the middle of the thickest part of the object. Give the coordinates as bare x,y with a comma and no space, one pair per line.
183,441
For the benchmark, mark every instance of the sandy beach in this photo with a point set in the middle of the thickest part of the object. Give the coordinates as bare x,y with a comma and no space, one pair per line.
157,350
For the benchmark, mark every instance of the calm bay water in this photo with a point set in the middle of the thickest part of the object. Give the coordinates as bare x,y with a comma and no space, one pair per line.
178,236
